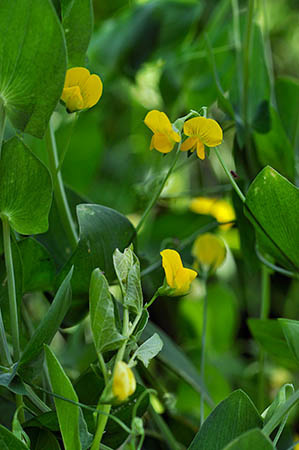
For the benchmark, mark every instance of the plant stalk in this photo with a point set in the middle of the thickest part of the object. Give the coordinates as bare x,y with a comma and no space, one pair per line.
233,183
265,308
13,307
58,187
203,348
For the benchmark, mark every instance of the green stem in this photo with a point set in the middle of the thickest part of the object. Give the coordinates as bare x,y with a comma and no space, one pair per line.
59,191
157,195
230,177
13,307
246,59
165,431
203,347
156,295
4,349
2,123
66,147
265,308
102,420
103,367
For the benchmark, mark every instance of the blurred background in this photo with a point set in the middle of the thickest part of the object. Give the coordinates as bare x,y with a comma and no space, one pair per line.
175,56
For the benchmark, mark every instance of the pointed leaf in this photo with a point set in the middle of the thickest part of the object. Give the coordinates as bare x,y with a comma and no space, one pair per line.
33,63
68,413
9,441
105,334
232,417
149,349
25,188
290,330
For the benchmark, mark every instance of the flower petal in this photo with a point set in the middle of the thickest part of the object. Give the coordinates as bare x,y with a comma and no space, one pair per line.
203,205
188,144
92,91
208,130
224,212
172,264
72,98
158,122
76,76
209,250
162,143
184,278
200,150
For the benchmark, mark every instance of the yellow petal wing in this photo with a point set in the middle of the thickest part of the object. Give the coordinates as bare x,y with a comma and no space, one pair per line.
72,98
208,130
172,264
158,122
200,149
92,91
188,144
162,143
76,76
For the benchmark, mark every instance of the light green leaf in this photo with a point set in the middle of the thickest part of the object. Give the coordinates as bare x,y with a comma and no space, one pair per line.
290,330
280,399
105,334
149,349
8,441
253,439
33,63
48,327
25,189
77,21
127,269
269,335
272,204
68,413
280,413
232,417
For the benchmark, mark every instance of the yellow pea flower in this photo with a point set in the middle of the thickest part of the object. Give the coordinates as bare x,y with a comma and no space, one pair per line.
209,250
218,208
81,90
164,137
201,132
124,383
177,276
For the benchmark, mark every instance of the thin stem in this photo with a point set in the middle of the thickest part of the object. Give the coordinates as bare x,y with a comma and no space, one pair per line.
203,347
36,400
156,295
276,268
13,307
165,431
59,191
265,307
4,349
233,183
66,147
157,195
103,367
246,55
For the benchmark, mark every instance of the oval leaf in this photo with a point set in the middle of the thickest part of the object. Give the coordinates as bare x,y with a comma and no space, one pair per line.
253,439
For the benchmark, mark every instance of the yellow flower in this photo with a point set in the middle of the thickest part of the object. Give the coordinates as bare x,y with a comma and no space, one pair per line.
81,90
164,137
209,250
177,276
220,209
124,383
201,132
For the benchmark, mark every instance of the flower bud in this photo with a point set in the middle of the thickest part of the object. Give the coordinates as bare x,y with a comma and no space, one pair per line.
124,383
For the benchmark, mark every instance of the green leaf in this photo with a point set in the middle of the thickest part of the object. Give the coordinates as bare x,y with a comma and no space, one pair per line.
269,335
33,63
149,349
176,360
127,269
287,95
105,334
48,327
280,413
38,266
290,330
8,441
280,399
102,230
253,439
25,189
77,21
68,413
43,439
272,204
232,417
274,148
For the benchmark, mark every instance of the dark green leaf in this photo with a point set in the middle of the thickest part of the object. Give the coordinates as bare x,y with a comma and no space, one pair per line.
269,335
253,439
232,417
43,439
102,230
68,413
287,95
33,63
272,204
77,21
149,349
8,441
290,330
48,326
25,189
105,334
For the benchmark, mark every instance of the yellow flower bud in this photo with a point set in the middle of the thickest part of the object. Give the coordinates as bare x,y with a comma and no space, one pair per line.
177,276
124,383
81,90
209,250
